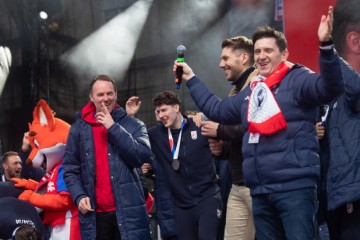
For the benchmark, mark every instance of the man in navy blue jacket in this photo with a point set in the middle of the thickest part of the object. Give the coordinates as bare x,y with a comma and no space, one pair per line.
187,170
278,113
340,147
104,150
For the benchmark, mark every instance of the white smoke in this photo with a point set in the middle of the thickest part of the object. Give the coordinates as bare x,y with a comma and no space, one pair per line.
110,49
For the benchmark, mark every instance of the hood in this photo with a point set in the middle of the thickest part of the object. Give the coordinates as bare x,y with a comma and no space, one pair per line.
88,113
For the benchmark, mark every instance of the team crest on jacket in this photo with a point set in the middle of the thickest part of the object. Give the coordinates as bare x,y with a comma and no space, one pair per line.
193,135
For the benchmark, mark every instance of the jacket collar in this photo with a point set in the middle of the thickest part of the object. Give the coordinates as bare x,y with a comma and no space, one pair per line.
239,83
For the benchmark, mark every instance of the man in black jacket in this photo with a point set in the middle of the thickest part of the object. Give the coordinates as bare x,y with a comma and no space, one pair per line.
340,154
11,165
187,170
237,60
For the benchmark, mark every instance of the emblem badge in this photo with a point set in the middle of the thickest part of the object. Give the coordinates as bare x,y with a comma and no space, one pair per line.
193,135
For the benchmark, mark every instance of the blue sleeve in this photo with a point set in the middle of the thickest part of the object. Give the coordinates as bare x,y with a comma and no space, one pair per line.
60,181
71,166
226,111
313,89
164,202
132,141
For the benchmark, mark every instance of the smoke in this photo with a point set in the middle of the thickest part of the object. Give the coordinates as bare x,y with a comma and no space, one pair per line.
241,19
110,49
5,63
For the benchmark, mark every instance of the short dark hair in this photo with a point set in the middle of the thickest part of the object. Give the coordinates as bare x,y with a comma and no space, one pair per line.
240,43
26,232
167,98
346,19
102,77
8,154
269,32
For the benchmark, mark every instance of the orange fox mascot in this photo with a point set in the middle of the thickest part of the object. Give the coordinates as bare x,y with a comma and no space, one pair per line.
47,137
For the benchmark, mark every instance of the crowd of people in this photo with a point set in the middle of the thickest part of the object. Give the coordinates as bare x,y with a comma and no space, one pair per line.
291,137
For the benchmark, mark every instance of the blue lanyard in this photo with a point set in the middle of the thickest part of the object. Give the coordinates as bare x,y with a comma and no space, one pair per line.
175,151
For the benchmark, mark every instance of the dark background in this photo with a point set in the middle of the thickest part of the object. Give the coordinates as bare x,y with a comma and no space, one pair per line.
132,41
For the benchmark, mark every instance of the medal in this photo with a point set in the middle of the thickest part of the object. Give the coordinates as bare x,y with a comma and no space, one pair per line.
175,164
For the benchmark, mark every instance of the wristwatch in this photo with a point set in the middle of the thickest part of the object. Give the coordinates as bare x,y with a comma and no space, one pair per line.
326,43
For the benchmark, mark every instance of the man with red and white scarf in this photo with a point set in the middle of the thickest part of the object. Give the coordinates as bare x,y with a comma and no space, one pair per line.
278,113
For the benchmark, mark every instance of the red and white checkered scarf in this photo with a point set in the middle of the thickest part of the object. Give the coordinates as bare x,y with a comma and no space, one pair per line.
264,115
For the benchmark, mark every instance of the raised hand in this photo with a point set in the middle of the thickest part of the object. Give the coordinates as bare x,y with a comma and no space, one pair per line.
326,26
25,142
132,106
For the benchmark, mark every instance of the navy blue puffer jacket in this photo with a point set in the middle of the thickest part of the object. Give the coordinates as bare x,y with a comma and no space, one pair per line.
343,132
129,148
288,159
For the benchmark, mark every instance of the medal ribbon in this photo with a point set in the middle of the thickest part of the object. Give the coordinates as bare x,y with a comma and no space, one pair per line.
175,151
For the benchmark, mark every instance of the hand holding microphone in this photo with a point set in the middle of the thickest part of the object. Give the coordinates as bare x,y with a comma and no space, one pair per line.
179,71
180,68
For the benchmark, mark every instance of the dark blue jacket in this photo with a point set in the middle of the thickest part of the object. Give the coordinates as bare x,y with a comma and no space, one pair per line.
196,179
128,148
343,135
164,203
14,213
288,159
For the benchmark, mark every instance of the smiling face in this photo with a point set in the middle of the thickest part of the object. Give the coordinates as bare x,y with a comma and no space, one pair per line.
12,167
232,62
268,56
103,92
169,115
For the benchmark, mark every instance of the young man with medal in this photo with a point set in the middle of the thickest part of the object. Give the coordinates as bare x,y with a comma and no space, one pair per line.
184,166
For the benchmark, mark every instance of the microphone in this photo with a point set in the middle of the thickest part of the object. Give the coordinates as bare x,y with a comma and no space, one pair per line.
179,71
